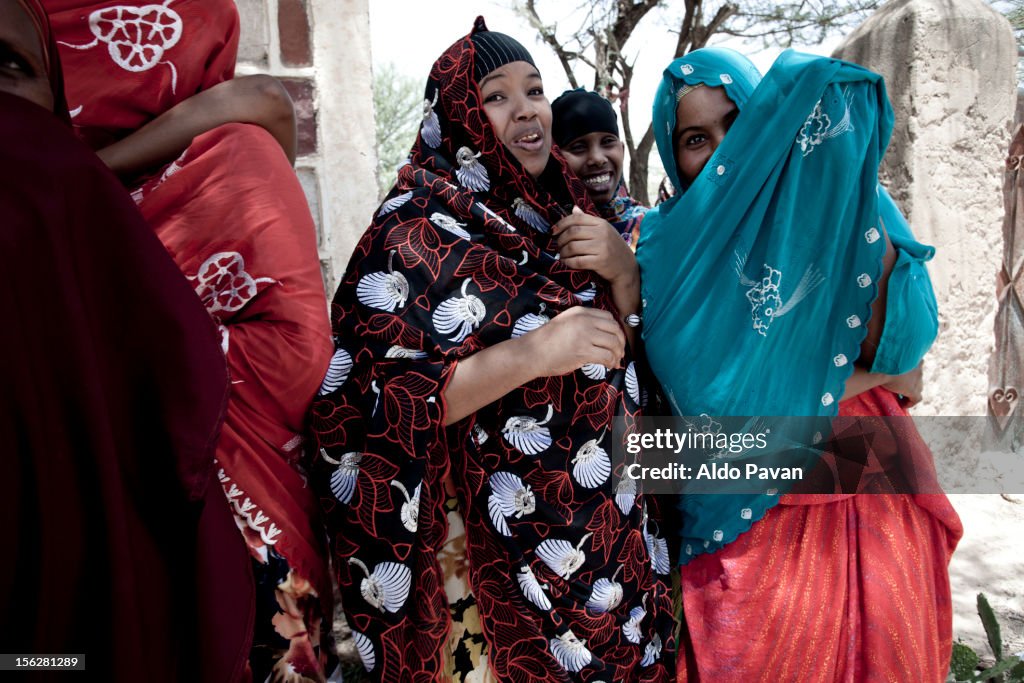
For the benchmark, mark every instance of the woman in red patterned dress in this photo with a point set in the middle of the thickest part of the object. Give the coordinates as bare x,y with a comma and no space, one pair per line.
481,357
150,87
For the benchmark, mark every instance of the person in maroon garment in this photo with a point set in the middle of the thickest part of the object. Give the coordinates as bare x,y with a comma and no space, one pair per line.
113,392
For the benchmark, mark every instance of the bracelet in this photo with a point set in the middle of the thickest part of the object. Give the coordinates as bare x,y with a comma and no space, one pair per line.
633,320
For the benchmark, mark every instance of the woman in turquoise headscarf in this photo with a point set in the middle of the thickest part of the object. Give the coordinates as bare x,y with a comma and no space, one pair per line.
782,280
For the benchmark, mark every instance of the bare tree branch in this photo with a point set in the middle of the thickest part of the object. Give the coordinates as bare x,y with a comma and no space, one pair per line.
548,35
608,25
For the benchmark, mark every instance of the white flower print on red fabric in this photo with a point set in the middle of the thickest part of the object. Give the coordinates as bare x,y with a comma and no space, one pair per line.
223,284
137,38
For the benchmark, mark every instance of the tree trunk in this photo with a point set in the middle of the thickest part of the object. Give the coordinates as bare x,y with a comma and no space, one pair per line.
638,170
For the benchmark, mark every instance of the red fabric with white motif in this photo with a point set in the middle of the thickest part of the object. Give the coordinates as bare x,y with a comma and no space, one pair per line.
233,215
128,62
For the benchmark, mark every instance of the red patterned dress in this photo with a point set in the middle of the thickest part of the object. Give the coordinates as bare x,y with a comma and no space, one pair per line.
563,570
233,215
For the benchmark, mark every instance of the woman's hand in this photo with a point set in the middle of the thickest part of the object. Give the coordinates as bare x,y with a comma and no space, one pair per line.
588,242
909,385
574,338
569,341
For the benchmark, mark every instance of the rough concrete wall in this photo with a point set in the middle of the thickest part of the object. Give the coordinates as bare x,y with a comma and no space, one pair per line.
341,33
950,69
320,50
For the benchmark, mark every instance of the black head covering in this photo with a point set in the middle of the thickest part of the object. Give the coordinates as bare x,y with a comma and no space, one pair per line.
495,50
578,112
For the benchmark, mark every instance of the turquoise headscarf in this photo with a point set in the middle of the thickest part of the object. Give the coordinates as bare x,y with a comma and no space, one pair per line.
758,278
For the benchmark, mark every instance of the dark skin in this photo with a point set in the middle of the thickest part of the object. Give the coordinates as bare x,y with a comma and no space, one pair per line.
703,117
22,60
260,100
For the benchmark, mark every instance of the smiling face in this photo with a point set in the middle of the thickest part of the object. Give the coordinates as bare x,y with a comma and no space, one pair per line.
22,65
703,117
515,104
596,158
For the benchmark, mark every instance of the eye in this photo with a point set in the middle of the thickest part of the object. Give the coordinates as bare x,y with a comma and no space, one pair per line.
536,91
695,140
576,149
493,97
11,61
609,141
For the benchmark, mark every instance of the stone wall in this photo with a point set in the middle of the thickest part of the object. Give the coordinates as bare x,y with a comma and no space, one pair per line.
950,68
320,49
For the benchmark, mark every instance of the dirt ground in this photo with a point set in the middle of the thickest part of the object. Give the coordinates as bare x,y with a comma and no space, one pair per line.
989,560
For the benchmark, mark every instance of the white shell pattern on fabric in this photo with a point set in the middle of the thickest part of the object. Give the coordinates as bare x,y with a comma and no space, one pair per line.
561,556
633,385
394,203
402,352
343,480
136,37
527,434
480,434
652,652
588,294
529,215
430,129
625,495
591,466
510,497
459,315
819,127
446,222
595,371
471,173
365,649
387,586
631,629
529,323
410,512
606,595
532,588
385,291
657,548
337,372
570,651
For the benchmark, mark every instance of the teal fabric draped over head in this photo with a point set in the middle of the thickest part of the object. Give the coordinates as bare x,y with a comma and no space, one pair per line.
758,277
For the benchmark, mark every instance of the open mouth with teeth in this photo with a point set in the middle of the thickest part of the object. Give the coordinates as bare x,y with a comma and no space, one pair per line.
599,181
531,142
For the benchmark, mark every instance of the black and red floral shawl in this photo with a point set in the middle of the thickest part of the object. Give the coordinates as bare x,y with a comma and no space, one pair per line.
459,258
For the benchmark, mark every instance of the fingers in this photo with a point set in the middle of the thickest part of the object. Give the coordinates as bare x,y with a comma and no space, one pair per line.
575,220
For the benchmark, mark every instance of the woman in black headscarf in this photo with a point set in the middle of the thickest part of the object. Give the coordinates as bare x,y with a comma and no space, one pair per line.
482,357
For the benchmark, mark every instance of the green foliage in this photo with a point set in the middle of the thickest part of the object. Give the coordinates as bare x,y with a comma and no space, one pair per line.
965,662
397,104
988,620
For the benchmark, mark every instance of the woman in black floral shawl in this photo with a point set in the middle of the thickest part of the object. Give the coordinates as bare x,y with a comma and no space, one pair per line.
481,355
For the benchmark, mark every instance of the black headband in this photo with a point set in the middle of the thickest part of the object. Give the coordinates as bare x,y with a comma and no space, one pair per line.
495,50
577,113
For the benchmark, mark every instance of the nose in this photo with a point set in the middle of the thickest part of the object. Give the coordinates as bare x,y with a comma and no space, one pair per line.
715,139
525,109
595,156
